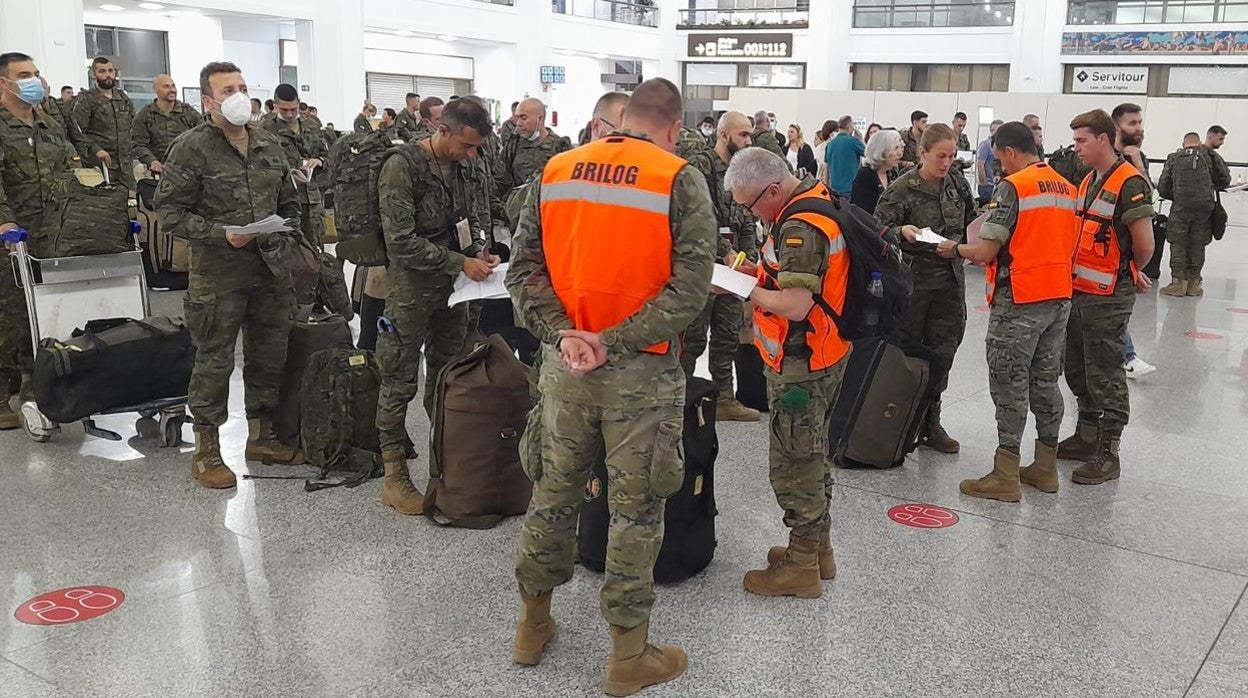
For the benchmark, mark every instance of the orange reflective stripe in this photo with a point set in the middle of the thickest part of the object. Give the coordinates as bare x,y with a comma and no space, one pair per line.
606,229
1042,245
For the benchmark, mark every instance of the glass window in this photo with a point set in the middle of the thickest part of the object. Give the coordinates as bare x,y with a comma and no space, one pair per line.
1155,11
960,77
933,13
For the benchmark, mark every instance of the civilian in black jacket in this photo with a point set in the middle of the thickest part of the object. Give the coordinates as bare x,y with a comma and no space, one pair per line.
883,153
800,155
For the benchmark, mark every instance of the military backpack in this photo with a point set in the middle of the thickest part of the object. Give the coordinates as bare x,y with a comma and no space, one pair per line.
338,416
355,161
1066,163
93,217
1190,184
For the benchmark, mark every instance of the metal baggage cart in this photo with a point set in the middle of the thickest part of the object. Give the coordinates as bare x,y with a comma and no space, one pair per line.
63,294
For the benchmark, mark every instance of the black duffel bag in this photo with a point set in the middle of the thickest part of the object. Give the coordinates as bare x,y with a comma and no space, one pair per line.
113,364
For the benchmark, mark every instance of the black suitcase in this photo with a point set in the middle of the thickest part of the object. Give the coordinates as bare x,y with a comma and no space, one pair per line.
112,364
322,330
689,522
155,261
751,383
1153,269
885,395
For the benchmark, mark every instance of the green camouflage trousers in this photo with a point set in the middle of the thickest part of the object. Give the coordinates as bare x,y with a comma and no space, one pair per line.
1095,347
936,319
421,322
1188,235
1025,344
798,464
312,216
722,315
644,467
228,291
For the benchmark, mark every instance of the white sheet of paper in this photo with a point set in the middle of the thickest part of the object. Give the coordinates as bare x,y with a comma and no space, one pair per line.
972,230
926,235
733,281
966,155
468,290
272,224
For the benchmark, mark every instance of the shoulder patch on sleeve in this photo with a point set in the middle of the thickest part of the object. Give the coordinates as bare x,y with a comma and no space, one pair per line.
993,204
1138,197
794,242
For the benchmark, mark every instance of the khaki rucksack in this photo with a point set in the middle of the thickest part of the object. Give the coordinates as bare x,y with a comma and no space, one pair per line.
355,161
1190,184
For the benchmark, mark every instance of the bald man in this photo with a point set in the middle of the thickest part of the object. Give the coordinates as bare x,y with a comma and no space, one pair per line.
533,145
157,124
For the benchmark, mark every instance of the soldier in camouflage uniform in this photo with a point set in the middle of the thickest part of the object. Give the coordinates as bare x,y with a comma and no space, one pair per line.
55,108
933,195
763,136
304,145
803,379
601,388
100,122
35,159
910,140
363,123
722,314
408,122
1025,339
427,200
159,123
1095,335
526,153
228,172
1190,179
964,141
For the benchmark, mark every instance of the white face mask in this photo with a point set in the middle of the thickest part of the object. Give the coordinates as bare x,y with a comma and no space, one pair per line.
536,135
237,109
707,131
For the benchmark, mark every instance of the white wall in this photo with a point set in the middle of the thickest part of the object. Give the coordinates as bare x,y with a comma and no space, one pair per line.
193,39
252,44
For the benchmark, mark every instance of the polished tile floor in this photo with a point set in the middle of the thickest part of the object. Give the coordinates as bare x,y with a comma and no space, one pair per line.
1134,588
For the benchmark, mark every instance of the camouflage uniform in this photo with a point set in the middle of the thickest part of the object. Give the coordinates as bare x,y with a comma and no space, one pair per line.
420,207
767,139
304,144
207,185
59,112
522,158
1095,341
153,130
35,161
408,125
1024,343
1189,228
801,400
964,145
631,406
723,313
936,314
102,123
911,152
362,124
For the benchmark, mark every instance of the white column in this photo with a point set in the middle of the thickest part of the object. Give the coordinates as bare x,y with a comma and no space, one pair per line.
50,31
331,60
1036,65
827,58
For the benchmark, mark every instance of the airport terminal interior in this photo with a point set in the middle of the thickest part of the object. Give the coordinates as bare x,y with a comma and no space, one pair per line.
121,574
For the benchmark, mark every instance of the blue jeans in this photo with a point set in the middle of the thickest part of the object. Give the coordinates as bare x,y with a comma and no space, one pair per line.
1130,346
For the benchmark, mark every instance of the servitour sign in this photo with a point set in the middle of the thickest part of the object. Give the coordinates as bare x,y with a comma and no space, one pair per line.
1117,79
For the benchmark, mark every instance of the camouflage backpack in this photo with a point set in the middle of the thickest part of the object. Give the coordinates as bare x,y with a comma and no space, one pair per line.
338,417
93,218
355,162
1066,163
1190,183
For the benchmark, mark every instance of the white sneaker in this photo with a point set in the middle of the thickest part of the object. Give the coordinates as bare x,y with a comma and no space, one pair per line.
1138,367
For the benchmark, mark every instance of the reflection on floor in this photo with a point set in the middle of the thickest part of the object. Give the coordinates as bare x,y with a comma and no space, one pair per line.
1133,588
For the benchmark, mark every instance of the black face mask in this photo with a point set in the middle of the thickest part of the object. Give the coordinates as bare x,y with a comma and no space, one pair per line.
106,83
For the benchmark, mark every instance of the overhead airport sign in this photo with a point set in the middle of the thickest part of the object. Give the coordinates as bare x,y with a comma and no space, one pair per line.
1116,79
733,45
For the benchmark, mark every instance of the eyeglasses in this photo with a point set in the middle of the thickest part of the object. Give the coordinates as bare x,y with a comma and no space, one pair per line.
760,195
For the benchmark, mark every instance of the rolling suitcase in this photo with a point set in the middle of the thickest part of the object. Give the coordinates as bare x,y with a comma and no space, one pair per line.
883,403
166,260
320,331
689,519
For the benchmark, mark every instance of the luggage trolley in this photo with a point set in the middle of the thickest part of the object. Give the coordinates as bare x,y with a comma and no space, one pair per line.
63,294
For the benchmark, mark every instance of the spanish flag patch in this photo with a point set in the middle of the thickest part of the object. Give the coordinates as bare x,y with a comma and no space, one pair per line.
993,204
794,242
1138,197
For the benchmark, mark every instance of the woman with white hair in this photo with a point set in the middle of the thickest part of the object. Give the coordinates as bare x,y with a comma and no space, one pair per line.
883,153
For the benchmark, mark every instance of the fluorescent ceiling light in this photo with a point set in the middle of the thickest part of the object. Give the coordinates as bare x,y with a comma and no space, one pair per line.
447,37
112,8
151,6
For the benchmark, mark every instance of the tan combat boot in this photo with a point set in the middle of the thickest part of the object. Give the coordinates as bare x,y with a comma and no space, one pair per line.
1177,288
937,438
727,409
1042,473
534,630
1195,286
1001,484
206,466
399,493
827,559
1080,445
264,447
1104,466
635,664
27,391
796,573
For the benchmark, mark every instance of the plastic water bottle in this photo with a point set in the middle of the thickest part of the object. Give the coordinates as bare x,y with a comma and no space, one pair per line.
876,290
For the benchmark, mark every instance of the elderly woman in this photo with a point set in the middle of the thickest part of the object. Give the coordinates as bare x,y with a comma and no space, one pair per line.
883,153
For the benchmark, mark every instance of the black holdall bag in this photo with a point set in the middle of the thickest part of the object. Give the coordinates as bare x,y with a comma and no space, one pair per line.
111,364
689,519
1219,218
321,330
883,403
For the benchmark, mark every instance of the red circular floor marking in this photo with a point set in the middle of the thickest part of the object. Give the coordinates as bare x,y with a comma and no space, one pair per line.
922,516
1241,311
982,308
1197,334
72,605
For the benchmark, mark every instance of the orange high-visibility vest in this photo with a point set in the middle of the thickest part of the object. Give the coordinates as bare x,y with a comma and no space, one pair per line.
1039,254
606,229
1099,258
771,331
